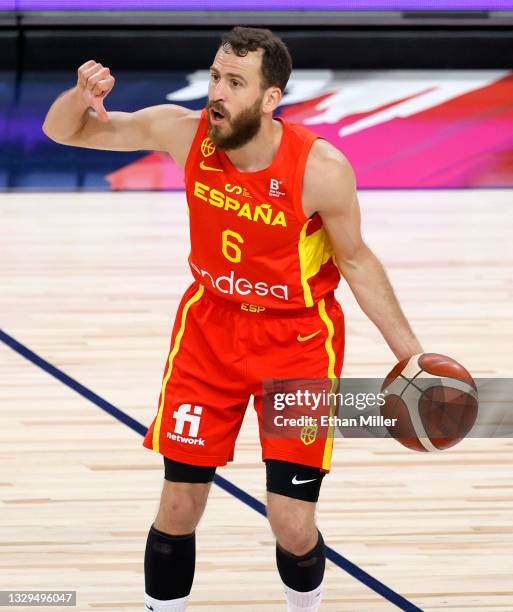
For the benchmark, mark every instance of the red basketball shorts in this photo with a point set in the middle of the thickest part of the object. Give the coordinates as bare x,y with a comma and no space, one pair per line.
220,353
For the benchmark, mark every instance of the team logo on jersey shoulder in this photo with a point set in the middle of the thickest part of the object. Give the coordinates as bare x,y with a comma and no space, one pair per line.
208,148
275,188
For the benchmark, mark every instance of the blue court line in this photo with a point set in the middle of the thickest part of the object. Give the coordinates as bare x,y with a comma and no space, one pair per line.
226,485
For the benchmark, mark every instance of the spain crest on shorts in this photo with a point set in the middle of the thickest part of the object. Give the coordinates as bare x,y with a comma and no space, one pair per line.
308,434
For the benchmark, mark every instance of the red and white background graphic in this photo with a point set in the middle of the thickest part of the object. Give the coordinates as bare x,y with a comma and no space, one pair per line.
399,128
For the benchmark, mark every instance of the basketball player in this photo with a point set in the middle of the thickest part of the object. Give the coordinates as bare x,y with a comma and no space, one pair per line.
274,222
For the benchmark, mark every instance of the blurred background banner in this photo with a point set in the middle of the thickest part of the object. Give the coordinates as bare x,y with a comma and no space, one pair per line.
416,93
400,129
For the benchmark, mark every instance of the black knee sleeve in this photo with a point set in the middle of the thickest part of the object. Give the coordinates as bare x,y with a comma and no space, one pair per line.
169,564
302,573
293,479
184,472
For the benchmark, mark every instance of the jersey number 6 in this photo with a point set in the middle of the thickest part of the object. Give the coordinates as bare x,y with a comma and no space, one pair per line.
230,249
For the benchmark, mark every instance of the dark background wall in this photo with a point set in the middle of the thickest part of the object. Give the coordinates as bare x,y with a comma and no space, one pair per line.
42,41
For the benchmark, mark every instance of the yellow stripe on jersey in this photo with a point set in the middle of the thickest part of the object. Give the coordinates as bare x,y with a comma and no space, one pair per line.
172,355
328,446
314,251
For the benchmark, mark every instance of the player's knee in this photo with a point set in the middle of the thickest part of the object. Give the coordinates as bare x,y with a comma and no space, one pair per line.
184,496
294,531
181,507
297,539
292,491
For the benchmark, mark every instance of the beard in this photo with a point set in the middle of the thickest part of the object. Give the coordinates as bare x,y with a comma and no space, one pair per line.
243,128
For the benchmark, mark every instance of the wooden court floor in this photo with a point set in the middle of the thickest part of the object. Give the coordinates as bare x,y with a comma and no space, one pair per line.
90,283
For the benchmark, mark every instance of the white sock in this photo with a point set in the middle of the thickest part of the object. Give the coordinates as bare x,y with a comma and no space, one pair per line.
298,601
169,605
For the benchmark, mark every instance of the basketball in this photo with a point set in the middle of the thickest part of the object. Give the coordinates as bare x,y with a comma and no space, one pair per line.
431,400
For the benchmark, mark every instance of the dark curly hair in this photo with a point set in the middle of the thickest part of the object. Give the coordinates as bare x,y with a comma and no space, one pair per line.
276,60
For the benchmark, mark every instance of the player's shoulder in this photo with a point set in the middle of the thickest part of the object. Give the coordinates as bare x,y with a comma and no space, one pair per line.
187,113
178,126
168,120
179,115
328,175
326,162
170,112
329,179
189,120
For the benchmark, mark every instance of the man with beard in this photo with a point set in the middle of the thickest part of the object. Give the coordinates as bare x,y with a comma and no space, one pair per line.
274,221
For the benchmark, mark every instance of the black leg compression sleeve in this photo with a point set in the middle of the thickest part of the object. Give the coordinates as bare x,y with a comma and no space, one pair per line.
302,573
184,472
169,563
293,479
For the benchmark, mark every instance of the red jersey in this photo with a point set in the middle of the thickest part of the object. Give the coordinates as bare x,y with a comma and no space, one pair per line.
250,239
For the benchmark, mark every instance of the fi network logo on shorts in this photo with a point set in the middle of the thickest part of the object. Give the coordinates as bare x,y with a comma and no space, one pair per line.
187,413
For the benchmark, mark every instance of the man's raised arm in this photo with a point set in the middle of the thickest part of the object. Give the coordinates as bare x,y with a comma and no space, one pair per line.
71,121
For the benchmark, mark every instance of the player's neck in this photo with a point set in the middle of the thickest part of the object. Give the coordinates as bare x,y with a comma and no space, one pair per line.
260,151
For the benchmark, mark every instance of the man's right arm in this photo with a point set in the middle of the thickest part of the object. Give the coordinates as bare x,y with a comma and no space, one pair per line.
70,120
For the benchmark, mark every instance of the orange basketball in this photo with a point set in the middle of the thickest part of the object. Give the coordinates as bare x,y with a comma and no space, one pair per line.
432,401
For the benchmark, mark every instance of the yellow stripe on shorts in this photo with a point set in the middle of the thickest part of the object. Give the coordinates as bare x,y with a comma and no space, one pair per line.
328,446
172,355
